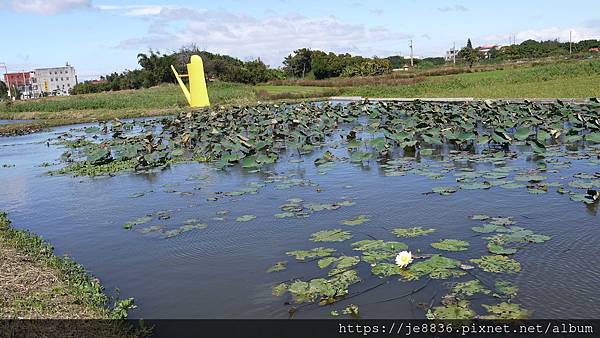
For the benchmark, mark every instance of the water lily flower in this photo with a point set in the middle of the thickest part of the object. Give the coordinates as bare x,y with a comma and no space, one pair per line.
404,258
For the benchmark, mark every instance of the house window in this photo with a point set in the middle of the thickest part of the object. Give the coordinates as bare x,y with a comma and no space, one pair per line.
51,79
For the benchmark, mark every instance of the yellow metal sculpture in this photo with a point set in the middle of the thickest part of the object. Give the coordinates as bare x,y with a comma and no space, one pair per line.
197,95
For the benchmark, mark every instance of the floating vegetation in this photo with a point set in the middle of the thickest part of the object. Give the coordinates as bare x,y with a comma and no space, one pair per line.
497,264
296,207
360,219
451,245
313,253
279,266
479,148
435,267
245,218
336,235
412,232
138,221
183,229
505,310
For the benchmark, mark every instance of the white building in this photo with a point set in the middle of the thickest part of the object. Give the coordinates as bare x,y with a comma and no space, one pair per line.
450,55
57,81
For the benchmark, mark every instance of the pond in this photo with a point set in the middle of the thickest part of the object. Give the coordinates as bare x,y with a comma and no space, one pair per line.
192,241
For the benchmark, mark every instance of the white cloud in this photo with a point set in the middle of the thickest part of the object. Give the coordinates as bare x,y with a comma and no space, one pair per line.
578,33
49,7
136,10
455,8
562,34
270,38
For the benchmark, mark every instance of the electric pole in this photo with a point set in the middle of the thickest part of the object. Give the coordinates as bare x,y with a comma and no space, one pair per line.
570,43
454,52
411,53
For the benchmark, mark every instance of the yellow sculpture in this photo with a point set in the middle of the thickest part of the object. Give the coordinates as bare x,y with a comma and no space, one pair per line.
197,95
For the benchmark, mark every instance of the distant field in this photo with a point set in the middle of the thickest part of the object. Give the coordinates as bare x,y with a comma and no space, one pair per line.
573,79
578,79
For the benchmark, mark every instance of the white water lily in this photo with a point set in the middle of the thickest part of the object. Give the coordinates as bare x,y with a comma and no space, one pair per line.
404,258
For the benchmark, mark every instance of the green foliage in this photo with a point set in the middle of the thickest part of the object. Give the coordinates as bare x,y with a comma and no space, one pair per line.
505,310
360,219
436,267
336,235
451,245
497,264
412,232
326,65
469,288
279,266
156,69
3,90
370,67
299,63
459,310
313,253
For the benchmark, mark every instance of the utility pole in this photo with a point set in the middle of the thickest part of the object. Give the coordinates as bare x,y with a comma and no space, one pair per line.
454,52
570,43
411,53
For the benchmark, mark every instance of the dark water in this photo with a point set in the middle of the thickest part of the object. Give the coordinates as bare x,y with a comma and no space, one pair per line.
220,271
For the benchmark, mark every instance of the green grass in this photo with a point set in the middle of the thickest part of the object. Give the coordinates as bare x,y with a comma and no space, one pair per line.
271,89
562,80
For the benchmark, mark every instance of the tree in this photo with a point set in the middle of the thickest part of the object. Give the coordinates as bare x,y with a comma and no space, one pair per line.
3,90
469,54
298,64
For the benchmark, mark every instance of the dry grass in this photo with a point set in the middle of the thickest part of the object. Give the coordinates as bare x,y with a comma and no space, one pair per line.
30,290
38,286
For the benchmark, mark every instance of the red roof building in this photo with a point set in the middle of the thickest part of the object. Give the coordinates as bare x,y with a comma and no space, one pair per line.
17,79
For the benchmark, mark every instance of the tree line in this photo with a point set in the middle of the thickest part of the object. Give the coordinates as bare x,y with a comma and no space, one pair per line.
310,64
528,49
156,69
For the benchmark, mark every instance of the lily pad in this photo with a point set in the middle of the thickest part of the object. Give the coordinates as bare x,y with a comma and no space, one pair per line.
245,218
497,264
360,219
505,310
412,232
279,266
451,245
319,252
335,235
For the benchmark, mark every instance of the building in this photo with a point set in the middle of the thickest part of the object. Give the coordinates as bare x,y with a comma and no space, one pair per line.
57,81
23,81
486,49
450,54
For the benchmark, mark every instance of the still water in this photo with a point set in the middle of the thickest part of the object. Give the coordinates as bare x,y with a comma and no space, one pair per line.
220,271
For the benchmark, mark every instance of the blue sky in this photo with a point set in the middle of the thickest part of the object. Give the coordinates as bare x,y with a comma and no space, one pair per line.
101,36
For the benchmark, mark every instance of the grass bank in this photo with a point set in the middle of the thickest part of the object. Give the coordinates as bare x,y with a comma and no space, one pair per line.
36,284
575,79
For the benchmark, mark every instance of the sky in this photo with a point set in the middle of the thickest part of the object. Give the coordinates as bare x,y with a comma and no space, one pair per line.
103,36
